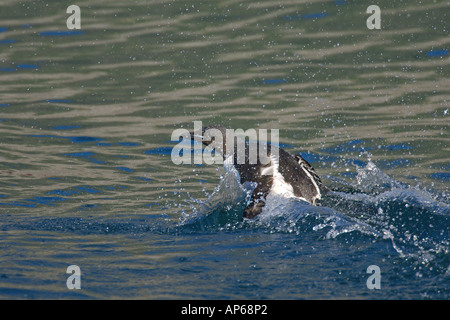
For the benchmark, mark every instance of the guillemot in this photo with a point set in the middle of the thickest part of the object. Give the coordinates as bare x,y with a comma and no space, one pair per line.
274,171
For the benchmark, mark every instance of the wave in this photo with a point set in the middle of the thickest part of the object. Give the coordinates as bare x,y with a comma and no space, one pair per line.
415,221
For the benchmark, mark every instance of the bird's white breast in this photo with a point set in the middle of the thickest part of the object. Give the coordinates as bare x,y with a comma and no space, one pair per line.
279,185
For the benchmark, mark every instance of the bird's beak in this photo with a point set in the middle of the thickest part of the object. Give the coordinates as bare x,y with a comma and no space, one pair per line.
196,137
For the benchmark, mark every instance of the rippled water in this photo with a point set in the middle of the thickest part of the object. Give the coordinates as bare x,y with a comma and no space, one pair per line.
86,176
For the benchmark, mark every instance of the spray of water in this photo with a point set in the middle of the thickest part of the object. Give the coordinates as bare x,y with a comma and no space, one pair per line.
373,205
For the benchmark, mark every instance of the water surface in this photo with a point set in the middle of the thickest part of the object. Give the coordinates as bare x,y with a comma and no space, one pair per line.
86,176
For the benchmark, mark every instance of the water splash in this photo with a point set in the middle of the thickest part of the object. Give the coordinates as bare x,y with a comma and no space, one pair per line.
222,207
414,220
374,205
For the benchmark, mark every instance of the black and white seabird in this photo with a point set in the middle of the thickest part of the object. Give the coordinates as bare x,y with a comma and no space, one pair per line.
281,173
